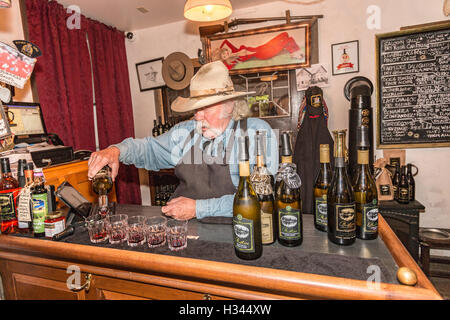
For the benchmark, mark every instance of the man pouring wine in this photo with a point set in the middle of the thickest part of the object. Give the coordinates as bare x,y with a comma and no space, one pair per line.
203,151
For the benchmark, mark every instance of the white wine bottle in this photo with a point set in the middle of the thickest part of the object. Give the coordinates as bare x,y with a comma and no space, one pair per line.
261,180
340,198
365,191
321,188
287,196
247,238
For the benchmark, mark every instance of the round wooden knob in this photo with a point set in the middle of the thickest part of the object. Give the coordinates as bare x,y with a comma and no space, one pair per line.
406,276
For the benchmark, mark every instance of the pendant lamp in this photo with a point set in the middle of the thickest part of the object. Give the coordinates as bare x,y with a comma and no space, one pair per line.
207,10
5,3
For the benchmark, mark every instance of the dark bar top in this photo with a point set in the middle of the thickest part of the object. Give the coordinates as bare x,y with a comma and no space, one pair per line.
316,254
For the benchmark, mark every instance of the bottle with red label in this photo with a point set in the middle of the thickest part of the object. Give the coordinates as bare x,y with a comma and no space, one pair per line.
9,191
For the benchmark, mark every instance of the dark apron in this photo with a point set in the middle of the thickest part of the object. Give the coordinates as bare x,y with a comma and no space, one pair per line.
203,176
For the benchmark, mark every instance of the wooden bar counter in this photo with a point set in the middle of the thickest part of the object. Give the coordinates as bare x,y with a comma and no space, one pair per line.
38,269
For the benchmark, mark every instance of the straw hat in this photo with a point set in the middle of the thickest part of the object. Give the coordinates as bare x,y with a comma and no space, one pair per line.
177,70
211,84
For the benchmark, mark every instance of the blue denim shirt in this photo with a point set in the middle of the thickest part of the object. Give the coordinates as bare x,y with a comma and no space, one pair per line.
166,151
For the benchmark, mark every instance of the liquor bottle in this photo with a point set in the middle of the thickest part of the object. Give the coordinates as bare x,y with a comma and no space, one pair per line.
155,132
287,198
24,226
39,203
246,211
340,199
102,185
365,191
411,183
160,126
321,188
9,190
166,126
403,187
396,181
261,180
157,196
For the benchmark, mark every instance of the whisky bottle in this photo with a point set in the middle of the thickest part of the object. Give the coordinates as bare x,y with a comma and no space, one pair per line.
9,191
365,191
102,185
261,180
411,183
247,238
160,126
321,186
287,198
39,204
403,187
341,202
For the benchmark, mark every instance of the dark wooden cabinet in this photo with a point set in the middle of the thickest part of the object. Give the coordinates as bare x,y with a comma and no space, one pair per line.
404,221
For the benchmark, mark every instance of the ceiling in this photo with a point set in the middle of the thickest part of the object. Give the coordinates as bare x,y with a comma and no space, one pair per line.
123,14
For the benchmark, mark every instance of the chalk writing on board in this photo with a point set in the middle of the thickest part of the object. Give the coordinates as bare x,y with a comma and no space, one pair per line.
414,74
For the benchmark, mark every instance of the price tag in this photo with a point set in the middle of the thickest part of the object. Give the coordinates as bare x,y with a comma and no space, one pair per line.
23,208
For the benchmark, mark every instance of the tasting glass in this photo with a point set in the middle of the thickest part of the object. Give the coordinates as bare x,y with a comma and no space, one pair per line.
177,234
136,231
117,228
155,231
96,226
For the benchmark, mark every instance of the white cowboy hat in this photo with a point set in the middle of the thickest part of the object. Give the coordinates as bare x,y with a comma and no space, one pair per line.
210,85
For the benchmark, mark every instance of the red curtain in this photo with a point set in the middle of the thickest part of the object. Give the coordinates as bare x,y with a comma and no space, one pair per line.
63,74
113,100
64,81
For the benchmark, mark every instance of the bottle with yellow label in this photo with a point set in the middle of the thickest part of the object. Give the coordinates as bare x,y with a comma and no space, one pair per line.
321,188
261,180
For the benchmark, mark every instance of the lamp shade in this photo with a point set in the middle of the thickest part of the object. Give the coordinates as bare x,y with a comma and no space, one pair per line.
207,10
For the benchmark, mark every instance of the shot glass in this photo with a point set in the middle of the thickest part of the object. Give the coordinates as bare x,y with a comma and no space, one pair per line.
155,231
136,231
177,234
97,229
117,228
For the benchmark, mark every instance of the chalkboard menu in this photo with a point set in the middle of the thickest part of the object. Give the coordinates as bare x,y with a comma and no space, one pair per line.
413,88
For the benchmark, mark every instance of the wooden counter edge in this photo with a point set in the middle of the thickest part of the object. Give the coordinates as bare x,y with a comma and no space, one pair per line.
288,283
401,255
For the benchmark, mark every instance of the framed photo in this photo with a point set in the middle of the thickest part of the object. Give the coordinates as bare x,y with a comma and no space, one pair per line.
345,57
264,49
150,74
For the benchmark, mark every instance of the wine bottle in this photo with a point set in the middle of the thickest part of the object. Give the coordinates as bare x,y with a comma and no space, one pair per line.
155,132
160,126
321,186
411,183
396,181
246,211
166,126
365,190
287,198
9,190
157,196
403,187
39,203
340,199
261,180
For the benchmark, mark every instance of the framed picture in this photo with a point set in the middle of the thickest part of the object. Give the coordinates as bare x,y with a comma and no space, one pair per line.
150,74
345,57
264,49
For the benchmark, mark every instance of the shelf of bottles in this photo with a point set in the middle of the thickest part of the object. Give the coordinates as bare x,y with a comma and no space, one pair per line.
163,185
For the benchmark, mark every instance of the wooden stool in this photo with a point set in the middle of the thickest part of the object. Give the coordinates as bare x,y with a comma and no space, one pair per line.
434,238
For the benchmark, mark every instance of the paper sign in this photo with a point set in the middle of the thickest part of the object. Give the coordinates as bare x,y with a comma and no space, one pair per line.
23,209
15,67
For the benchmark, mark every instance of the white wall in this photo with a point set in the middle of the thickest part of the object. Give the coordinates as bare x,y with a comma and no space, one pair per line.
11,29
344,20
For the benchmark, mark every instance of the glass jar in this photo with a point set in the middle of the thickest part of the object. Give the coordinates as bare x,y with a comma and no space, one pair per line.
54,223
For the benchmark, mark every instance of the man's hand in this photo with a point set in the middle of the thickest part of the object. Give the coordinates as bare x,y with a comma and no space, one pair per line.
180,208
108,156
